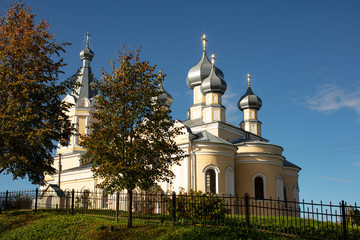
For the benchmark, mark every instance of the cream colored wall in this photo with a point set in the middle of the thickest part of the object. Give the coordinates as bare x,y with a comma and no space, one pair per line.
211,114
259,147
227,135
213,131
78,185
213,98
78,116
70,149
244,174
198,96
254,126
253,158
250,114
196,112
290,179
222,133
82,124
77,180
182,177
221,162
67,161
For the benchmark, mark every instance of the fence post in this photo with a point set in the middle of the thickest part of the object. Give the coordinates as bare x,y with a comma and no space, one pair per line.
247,210
36,198
174,208
117,206
72,201
343,213
6,199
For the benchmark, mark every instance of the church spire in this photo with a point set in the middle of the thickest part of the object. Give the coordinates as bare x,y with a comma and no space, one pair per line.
85,78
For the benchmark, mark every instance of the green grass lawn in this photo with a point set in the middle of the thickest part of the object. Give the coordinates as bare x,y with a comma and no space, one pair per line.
52,225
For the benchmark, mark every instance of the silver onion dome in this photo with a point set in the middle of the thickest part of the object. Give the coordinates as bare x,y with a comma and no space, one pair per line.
87,53
164,99
214,82
201,70
249,99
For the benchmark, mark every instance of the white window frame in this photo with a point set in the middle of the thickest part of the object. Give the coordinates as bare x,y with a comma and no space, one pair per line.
217,171
264,178
230,186
280,187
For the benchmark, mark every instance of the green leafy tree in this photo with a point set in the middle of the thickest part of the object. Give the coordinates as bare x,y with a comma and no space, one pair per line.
132,141
32,115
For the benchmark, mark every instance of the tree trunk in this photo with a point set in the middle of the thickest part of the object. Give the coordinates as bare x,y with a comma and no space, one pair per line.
130,198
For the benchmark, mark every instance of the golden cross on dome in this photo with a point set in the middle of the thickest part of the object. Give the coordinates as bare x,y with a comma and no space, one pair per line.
248,78
204,41
213,59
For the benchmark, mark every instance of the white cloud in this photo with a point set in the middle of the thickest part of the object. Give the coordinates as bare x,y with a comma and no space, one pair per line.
357,164
331,97
338,180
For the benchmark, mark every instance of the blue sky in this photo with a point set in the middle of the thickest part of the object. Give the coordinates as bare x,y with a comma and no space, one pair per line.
303,57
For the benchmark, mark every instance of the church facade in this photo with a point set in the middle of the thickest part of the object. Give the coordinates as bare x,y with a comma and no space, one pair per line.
220,158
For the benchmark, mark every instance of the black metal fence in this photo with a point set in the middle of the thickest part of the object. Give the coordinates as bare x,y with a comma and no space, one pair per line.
301,219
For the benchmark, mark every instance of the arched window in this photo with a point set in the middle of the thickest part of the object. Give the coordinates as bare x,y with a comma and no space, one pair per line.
229,177
285,196
210,181
259,188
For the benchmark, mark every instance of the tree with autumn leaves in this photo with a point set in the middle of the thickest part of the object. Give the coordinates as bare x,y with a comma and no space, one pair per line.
32,116
132,140
131,143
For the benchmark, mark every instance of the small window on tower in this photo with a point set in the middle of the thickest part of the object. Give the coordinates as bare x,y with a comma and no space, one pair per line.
252,114
253,128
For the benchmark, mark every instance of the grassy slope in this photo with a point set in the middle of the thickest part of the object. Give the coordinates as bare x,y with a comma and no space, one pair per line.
50,225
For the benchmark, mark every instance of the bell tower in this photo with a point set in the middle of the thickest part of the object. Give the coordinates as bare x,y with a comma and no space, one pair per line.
250,104
83,100
197,74
213,87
